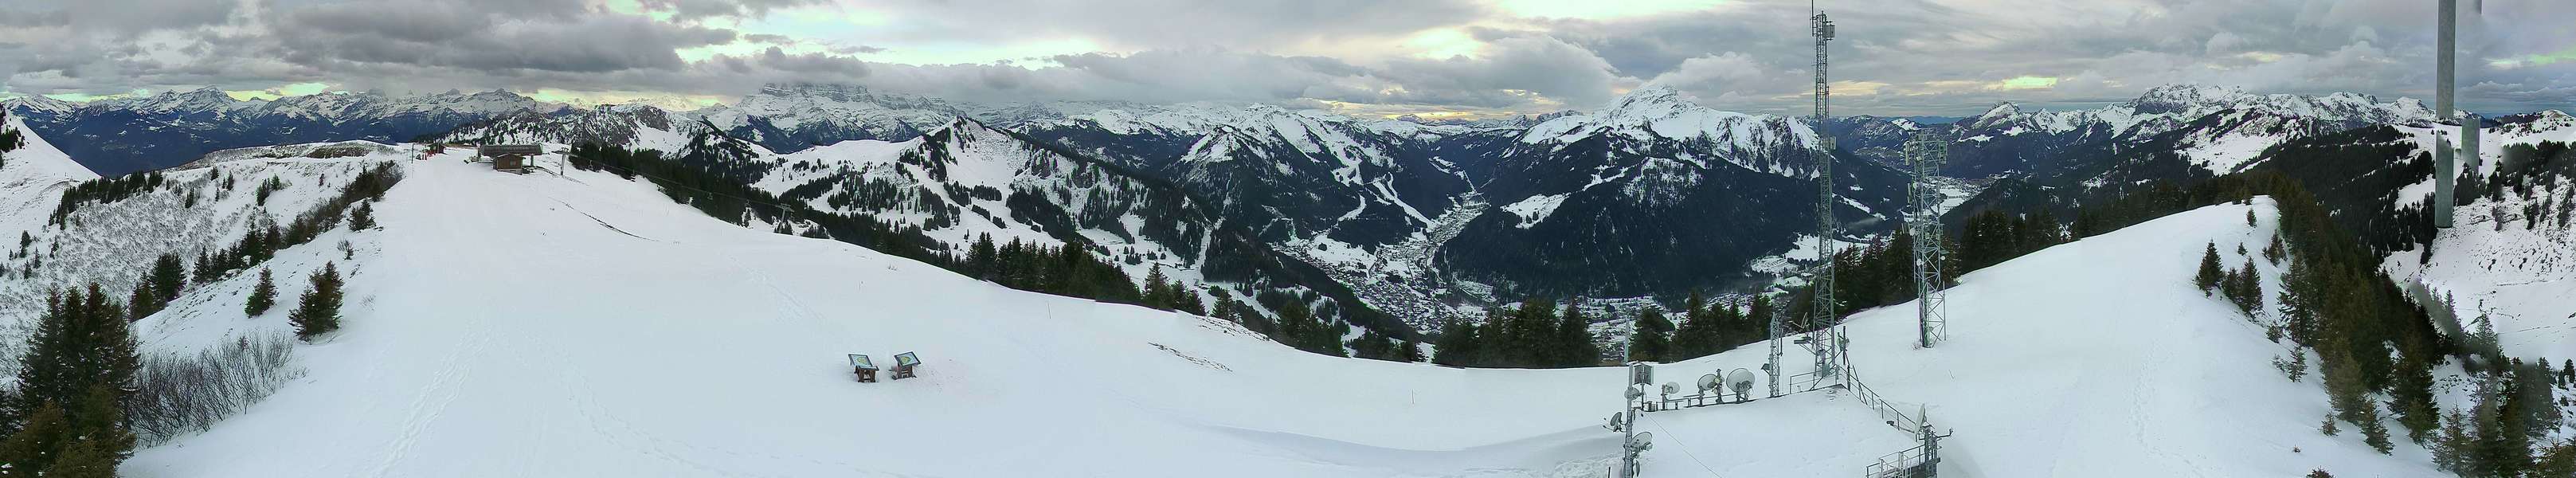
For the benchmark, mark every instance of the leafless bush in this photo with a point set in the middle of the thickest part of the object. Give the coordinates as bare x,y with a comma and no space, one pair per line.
179,394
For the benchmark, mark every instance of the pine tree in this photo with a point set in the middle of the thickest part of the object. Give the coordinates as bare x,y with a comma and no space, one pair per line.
2559,460
2412,392
84,459
2248,288
82,340
1573,338
98,419
1186,301
1158,289
1373,345
1652,339
81,353
2328,427
319,311
1458,345
2209,270
39,439
2453,449
262,295
364,217
1409,351
2375,433
2344,386
145,304
1697,335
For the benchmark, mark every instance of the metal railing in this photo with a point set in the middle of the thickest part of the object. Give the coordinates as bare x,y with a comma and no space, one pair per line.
1910,463
1886,412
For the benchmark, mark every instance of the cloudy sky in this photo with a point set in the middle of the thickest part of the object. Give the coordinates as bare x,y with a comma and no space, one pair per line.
1453,57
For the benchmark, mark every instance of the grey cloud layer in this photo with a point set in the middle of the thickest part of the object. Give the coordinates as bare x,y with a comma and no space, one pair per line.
1910,56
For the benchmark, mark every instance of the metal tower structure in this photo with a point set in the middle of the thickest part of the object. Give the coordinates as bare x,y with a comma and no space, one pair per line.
1779,320
1824,329
1926,152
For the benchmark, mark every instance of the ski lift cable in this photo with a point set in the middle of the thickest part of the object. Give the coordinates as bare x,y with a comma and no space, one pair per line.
783,209
1677,443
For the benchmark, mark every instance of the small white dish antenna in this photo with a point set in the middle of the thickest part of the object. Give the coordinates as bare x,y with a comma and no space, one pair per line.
1740,380
1707,382
1672,388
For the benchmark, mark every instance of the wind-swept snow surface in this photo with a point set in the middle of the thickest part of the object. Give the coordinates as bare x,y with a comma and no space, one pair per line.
511,325
587,326
2094,358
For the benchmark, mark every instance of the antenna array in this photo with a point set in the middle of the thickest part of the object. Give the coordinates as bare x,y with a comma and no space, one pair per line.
1926,152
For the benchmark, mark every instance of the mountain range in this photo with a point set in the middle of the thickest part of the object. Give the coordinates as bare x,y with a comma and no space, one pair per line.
1424,220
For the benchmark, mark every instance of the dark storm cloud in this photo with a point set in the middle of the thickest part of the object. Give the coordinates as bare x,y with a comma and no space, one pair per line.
472,40
1152,24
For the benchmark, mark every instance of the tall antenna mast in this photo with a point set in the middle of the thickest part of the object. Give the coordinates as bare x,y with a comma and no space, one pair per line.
1822,331
1928,151
1824,325
2444,172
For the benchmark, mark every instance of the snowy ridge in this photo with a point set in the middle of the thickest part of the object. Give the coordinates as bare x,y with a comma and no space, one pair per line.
198,209
120,135
2084,336
953,184
36,162
630,126
2169,107
1659,112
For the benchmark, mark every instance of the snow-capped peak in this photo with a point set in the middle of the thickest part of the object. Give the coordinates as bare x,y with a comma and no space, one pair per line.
1658,111
1650,98
2184,97
36,164
200,100
37,104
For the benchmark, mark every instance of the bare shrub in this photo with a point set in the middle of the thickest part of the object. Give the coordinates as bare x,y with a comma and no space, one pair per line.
177,393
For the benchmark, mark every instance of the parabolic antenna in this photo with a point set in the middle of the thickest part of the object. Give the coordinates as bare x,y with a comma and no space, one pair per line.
1642,441
1707,382
1636,391
1741,380
1672,388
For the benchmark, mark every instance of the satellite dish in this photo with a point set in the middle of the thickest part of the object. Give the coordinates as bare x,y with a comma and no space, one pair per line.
1741,380
1616,424
1672,388
1707,382
1636,392
1641,441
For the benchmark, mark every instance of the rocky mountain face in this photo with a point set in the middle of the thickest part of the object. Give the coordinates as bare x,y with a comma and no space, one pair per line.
1655,195
117,136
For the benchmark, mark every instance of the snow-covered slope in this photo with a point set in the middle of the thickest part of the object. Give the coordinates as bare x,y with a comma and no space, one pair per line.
2215,128
584,325
194,210
2508,258
36,162
596,329
2093,358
